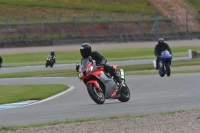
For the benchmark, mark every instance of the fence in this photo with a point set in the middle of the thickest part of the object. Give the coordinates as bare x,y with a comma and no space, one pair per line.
97,25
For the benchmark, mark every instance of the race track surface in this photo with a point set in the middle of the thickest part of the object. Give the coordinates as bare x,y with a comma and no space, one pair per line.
149,94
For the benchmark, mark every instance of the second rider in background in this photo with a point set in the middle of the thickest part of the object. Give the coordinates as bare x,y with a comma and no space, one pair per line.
161,46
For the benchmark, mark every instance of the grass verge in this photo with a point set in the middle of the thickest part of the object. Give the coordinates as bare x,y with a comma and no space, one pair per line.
129,70
62,57
18,93
17,7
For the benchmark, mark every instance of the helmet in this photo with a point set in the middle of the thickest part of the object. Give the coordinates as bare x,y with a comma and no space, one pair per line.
85,50
160,41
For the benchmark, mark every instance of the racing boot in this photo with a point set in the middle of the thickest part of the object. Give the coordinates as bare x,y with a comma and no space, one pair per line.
157,65
118,78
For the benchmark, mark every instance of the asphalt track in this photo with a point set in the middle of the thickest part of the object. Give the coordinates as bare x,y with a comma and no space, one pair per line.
149,94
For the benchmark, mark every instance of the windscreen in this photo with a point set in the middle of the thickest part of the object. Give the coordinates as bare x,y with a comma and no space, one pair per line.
165,52
49,56
84,63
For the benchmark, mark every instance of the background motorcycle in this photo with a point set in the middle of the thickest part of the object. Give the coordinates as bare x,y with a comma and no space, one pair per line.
49,61
164,64
101,85
1,60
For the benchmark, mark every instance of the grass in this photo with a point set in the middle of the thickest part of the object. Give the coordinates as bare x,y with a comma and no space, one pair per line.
195,3
63,57
129,70
50,7
23,23
18,13
18,93
15,9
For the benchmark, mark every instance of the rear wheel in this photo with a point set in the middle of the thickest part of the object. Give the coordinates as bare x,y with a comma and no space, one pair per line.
168,70
96,94
124,93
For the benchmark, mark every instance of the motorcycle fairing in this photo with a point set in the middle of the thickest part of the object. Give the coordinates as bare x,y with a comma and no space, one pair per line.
96,84
166,58
115,67
109,83
166,55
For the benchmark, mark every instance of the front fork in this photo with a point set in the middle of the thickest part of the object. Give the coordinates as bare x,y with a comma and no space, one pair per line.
162,66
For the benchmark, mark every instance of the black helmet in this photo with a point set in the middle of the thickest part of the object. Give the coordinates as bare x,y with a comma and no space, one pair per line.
85,50
160,41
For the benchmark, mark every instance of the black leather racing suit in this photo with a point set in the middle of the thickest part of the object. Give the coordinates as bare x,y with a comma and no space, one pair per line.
101,60
53,56
1,60
158,49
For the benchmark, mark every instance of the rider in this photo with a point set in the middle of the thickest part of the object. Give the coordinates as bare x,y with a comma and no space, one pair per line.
86,51
161,46
1,60
53,56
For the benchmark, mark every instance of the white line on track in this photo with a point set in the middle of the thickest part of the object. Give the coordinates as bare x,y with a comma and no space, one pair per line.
31,102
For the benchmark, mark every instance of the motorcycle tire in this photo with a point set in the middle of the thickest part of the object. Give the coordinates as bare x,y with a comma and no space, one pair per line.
124,93
168,70
46,65
51,65
96,95
161,74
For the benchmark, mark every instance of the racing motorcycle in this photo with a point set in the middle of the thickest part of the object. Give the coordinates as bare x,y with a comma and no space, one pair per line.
101,85
49,61
164,64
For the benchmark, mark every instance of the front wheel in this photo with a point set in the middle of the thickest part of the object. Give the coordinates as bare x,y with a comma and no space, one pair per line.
161,74
124,93
46,64
161,70
96,94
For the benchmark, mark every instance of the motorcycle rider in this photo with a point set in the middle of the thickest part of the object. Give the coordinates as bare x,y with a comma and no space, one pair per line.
86,51
161,46
1,60
53,56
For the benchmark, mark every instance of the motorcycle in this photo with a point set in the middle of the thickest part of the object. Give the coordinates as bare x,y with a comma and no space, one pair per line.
101,85
49,61
1,60
164,65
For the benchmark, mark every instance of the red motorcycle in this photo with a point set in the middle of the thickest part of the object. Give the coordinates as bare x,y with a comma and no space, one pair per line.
101,85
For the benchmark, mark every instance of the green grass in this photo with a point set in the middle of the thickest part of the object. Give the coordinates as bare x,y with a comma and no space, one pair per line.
134,6
195,3
129,70
17,93
64,57
34,9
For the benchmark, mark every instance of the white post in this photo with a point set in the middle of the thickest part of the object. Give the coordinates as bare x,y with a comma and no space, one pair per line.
190,53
